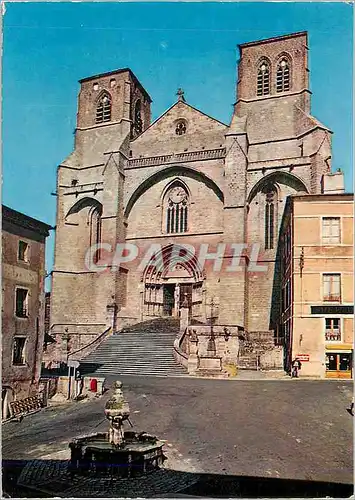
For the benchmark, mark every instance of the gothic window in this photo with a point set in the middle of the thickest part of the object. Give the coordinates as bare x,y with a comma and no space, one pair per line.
176,209
138,123
95,231
103,109
180,127
270,200
283,76
263,82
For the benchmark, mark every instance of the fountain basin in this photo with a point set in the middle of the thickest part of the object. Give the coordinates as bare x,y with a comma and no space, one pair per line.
139,454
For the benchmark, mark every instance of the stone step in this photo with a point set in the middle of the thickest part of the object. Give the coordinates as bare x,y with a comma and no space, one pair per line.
140,352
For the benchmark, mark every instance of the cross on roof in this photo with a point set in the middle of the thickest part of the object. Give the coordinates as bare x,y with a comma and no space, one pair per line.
180,93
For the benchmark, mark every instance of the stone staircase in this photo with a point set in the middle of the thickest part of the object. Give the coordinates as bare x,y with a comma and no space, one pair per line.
144,349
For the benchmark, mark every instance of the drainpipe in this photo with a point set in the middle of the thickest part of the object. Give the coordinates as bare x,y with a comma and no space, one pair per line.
34,369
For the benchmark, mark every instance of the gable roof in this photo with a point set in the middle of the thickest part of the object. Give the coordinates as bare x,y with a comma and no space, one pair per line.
179,102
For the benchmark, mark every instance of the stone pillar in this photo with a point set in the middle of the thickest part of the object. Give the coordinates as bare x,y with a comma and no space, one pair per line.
111,316
184,314
65,345
192,362
141,305
177,300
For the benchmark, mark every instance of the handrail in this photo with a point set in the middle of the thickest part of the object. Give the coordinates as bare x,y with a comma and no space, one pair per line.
100,337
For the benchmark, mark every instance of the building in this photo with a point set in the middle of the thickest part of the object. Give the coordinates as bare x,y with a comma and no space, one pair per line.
316,257
23,275
186,179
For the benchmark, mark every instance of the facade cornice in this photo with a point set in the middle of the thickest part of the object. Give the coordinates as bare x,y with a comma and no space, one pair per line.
18,219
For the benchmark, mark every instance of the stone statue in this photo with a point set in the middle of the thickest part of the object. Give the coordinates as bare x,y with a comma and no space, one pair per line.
185,303
116,411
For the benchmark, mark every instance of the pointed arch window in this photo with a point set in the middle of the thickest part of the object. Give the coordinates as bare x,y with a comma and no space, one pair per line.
95,231
103,109
176,209
263,81
283,76
270,217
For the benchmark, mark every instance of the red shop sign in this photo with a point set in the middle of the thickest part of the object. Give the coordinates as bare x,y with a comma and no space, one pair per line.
303,357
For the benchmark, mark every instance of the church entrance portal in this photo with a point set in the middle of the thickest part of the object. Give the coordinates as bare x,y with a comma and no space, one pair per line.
168,282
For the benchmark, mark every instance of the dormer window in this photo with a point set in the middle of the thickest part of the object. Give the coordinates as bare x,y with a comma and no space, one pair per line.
263,81
180,127
103,109
283,76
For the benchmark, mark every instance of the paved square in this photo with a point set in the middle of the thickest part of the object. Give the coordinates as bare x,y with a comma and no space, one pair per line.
299,430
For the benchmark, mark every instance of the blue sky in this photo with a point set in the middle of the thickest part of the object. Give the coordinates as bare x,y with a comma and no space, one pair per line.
48,47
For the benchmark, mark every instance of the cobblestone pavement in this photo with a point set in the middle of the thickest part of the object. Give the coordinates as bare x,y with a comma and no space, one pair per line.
299,430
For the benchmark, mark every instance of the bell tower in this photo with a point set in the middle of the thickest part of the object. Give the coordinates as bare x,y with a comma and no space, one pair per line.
111,106
274,71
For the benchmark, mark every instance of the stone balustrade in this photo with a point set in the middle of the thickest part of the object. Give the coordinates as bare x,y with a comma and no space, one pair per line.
192,349
205,154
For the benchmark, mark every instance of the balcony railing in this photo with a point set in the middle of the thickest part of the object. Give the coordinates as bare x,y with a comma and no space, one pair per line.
332,335
331,298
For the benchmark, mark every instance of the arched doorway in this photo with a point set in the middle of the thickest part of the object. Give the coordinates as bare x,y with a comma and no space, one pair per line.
172,276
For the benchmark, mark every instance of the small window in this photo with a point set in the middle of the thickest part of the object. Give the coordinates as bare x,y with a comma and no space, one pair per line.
23,251
263,80
103,109
21,303
331,230
332,330
138,122
283,76
18,352
331,287
180,127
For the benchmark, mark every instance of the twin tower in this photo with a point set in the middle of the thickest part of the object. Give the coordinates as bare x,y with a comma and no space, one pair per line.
186,179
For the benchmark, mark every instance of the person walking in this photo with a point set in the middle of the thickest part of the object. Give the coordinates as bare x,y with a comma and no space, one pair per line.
296,366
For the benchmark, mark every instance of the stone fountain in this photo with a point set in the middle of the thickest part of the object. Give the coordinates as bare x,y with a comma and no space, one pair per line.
117,452
118,463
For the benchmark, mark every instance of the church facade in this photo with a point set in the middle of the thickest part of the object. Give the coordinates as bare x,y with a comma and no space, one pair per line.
153,214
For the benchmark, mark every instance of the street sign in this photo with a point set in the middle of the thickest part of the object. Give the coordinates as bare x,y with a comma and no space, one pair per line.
73,364
303,357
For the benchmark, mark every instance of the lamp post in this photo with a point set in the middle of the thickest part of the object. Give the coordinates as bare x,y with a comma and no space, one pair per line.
211,346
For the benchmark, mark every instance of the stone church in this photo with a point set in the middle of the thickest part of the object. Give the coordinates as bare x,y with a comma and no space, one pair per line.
185,179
